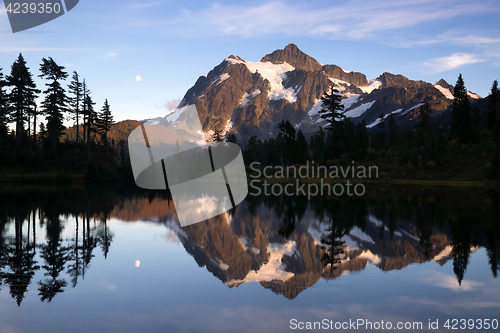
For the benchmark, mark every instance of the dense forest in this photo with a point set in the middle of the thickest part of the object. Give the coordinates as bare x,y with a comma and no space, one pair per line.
34,150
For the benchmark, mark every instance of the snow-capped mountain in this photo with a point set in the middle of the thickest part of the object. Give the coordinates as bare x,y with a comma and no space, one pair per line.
251,98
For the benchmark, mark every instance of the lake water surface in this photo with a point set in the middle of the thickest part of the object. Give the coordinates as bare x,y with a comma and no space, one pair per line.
114,259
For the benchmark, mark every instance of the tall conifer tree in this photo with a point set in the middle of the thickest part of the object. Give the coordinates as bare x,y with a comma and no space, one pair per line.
55,102
22,95
461,121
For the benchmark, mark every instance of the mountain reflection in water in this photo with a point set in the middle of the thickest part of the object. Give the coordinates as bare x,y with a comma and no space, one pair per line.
287,244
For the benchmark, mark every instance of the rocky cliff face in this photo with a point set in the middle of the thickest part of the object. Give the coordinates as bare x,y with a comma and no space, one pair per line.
250,98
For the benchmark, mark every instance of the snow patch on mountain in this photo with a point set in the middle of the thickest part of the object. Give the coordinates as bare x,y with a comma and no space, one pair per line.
248,246
274,269
318,105
443,254
223,77
413,108
349,244
361,235
349,100
339,82
275,74
358,111
247,98
446,92
372,85
373,259
173,116
472,95
378,120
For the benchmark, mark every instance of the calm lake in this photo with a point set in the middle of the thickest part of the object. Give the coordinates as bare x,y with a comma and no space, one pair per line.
114,259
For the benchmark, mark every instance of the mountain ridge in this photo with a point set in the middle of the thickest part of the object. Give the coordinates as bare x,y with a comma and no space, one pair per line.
250,98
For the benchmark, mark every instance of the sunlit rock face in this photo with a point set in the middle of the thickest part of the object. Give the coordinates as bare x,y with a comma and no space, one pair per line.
251,97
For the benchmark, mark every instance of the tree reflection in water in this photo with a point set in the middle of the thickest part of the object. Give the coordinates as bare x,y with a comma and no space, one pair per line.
405,224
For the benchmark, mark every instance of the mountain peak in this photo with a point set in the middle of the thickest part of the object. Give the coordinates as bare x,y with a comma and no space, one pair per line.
292,55
443,84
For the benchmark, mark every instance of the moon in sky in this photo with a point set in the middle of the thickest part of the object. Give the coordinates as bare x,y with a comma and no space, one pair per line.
138,78
137,263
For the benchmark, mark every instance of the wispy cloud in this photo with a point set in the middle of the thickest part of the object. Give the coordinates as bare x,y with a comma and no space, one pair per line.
448,281
444,64
170,105
149,4
108,56
356,19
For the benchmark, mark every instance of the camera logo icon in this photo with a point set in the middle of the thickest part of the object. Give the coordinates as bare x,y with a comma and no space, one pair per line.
204,180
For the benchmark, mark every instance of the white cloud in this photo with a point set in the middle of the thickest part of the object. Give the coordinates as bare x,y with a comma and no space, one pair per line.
108,56
170,105
355,19
448,281
149,4
444,64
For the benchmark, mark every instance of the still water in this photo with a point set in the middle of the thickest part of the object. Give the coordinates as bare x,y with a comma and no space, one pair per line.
114,259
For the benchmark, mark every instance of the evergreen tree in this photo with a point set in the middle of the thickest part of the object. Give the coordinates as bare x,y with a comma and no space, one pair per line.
393,135
424,128
493,121
104,123
22,95
253,149
301,153
75,88
362,139
90,117
4,110
318,146
381,135
231,138
55,102
217,136
348,140
332,109
461,121
286,142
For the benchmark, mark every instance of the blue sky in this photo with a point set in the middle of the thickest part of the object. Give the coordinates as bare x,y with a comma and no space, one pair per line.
169,44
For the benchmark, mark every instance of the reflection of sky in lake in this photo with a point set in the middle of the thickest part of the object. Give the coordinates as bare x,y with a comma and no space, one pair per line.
170,292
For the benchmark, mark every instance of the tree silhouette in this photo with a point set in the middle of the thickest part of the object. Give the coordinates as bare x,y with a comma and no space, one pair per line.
22,95
55,256
75,88
461,121
4,110
104,122
332,108
55,102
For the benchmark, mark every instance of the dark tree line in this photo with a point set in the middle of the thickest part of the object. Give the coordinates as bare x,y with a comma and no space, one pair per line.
33,143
